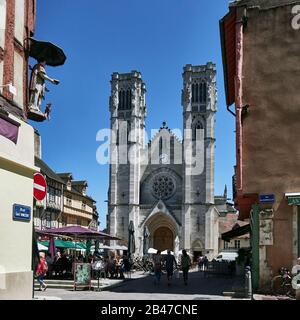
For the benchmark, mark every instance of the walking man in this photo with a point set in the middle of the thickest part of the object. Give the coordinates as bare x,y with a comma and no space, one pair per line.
185,265
170,263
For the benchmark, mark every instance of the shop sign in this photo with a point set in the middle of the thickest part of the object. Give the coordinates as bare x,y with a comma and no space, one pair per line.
294,201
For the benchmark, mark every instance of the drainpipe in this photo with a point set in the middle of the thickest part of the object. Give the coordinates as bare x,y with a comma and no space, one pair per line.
239,96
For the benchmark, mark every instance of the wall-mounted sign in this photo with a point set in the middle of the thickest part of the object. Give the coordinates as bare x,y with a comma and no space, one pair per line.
39,187
21,213
294,201
267,198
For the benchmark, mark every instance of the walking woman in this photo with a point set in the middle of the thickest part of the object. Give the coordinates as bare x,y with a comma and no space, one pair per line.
41,271
157,260
185,265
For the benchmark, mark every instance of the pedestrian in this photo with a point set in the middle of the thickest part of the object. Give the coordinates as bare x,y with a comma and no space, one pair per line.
200,263
41,271
205,263
185,265
296,279
170,264
157,260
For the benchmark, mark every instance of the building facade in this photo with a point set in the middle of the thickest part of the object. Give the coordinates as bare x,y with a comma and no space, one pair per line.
17,20
260,45
164,190
229,222
78,207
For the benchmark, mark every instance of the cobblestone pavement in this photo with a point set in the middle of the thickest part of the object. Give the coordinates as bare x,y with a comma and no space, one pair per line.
143,288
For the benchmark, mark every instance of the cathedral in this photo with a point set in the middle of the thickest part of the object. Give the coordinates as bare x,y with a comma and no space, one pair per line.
162,191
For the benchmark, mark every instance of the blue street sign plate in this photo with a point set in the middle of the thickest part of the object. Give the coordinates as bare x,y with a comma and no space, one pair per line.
267,198
21,213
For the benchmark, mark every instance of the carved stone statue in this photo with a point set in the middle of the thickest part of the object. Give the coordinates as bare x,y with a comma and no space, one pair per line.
37,86
186,94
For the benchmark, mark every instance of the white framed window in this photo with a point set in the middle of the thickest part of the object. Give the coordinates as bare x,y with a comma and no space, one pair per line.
69,201
237,244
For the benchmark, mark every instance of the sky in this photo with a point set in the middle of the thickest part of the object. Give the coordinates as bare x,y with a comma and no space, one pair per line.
99,37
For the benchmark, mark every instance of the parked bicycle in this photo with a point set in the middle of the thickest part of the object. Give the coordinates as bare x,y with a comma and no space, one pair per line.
282,283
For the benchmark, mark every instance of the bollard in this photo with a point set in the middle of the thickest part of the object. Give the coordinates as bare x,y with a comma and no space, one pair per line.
248,283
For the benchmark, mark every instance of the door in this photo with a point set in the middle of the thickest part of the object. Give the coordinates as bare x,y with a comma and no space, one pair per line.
163,239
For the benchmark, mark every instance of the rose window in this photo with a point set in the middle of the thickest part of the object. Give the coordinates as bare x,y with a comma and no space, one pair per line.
163,187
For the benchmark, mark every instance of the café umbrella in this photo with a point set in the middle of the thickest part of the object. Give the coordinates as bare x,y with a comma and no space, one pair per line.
77,232
131,242
52,248
146,241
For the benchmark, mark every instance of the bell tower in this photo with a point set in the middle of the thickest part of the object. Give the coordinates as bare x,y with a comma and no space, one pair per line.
199,109
128,112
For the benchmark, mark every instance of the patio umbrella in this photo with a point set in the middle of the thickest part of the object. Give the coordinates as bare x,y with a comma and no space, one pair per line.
78,232
35,252
176,250
46,51
152,251
97,243
131,242
164,253
88,247
146,241
52,248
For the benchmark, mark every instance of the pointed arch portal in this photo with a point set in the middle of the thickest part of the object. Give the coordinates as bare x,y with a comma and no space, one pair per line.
163,239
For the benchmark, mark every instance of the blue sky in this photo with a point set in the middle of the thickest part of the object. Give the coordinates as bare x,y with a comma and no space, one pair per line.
99,37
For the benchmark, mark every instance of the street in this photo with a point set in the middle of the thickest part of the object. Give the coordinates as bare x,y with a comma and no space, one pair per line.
198,288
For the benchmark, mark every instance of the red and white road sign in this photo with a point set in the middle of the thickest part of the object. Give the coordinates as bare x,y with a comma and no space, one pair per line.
39,187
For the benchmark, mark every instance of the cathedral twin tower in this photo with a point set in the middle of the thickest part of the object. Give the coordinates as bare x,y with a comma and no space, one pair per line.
164,194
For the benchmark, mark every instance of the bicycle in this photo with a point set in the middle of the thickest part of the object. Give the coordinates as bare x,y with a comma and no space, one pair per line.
282,283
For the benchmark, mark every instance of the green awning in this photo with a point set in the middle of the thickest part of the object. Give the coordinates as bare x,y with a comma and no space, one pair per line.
65,244
294,201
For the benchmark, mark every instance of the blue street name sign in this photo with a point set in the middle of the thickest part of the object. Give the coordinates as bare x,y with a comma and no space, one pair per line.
21,213
267,198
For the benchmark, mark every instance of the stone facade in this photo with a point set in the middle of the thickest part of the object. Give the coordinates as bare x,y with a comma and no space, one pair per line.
166,186
16,150
267,126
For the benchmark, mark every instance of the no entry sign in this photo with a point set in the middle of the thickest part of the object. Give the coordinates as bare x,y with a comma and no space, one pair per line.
39,187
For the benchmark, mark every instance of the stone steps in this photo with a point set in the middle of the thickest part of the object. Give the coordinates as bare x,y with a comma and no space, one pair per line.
69,284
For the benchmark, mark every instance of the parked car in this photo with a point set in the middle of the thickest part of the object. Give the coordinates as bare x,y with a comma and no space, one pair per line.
227,256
